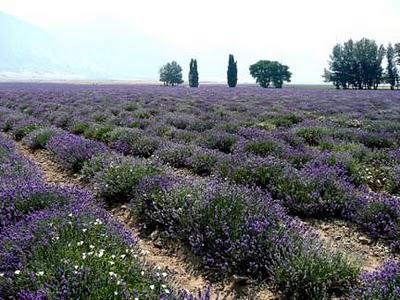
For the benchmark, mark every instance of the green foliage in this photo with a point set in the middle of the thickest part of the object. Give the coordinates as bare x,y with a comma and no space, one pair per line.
98,132
392,74
316,274
312,135
175,155
232,71
79,127
96,262
265,71
220,141
118,176
39,138
262,148
193,74
203,162
171,74
356,65
21,132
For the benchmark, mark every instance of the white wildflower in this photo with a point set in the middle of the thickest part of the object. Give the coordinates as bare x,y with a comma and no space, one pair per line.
40,273
17,272
101,253
152,287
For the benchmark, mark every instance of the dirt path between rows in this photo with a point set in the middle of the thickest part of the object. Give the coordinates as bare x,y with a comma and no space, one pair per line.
347,237
184,274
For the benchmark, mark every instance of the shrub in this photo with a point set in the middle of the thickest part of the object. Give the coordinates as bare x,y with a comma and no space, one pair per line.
262,147
39,138
120,175
285,120
27,197
24,127
221,141
183,136
175,154
99,132
379,215
79,127
312,135
242,231
381,284
203,161
377,140
253,171
133,142
72,151
316,274
98,259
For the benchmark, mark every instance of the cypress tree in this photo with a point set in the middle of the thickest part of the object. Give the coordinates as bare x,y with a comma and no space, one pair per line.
193,74
232,71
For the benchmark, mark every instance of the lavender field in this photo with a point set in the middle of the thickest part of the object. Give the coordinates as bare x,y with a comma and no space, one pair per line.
151,192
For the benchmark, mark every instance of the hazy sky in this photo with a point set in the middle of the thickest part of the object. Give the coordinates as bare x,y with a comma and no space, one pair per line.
299,33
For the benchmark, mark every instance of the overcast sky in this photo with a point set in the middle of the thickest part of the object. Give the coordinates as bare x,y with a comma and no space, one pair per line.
299,33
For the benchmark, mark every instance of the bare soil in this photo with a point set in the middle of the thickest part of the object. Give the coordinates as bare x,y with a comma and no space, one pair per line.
345,236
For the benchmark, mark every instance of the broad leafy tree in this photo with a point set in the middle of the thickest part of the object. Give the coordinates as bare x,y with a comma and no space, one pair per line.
193,74
356,65
232,71
265,72
392,74
171,74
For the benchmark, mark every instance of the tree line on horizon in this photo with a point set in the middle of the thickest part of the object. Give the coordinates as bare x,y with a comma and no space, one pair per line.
358,65
264,71
352,65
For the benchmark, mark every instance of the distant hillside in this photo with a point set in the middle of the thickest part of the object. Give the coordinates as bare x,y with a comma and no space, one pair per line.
27,51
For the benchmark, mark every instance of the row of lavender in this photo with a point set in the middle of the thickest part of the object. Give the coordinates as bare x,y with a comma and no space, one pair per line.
234,229
323,166
362,133
55,243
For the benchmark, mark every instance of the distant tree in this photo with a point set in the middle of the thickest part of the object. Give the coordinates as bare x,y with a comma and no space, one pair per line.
171,74
392,75
193,74
357,65
336,68
397,49
232,71
265,72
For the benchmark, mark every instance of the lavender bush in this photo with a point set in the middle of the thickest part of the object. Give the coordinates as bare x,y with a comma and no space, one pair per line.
72,151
